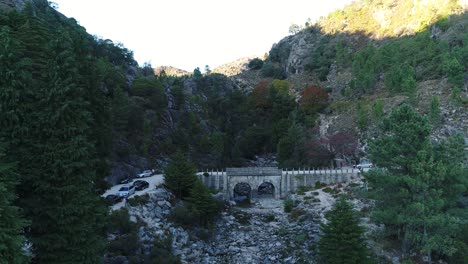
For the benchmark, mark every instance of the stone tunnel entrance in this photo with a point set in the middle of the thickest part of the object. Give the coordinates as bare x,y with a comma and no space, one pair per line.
259,181
242,193
266,190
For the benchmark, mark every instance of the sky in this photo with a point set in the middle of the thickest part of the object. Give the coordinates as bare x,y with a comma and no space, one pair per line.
193,33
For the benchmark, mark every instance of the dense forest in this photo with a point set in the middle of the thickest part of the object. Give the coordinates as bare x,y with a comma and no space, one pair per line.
74,106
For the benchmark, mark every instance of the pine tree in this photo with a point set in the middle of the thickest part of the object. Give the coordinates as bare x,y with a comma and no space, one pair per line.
434,113
417,184
14,80
343,238
179,176
67,217
202,202
11,224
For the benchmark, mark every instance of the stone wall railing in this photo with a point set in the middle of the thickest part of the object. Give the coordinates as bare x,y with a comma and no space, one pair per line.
291,179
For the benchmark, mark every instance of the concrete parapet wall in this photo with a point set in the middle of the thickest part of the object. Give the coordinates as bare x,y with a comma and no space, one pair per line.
283,180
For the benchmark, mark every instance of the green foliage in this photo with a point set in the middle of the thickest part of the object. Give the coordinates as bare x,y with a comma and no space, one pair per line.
377,111
453,68
362,116
269,218
279,53
343,54
126,241
11,223
200,209
418,183
301,190
161,252
201,202
184,216
272,70
343,238
301,238
291,148
255,64
152,89
288,205
296,213
398,77
321,58
197,73
365,67
180,176
319,185
434,112
119,222
137,200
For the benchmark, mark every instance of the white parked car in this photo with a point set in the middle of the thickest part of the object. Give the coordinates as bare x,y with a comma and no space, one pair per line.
126,190
145,173
364,165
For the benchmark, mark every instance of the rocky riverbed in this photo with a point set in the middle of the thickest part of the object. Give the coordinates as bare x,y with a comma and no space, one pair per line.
261,232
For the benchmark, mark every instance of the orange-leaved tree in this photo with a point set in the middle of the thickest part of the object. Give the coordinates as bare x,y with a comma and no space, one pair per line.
313,99
260,95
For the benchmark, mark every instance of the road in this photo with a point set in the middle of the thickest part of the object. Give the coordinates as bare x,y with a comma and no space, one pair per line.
152,180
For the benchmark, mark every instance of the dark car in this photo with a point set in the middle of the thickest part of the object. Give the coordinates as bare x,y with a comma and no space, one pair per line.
125,181
113,199
140,185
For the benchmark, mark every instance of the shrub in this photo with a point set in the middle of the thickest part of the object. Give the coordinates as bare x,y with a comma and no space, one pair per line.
119,222
269,218
288,205
296,213
183,216
303,189
255,64
125,245
138,200
319,185
328,190
301,238
242,217
161,252
206,174
273,71
204,234
282,232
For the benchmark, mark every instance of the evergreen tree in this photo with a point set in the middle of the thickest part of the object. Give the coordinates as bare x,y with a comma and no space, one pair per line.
361,116
11,224
202,202
179,176
343,238
417,184
434,112
67,216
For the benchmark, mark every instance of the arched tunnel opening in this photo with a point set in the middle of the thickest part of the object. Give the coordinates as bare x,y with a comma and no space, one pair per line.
266,190
242,193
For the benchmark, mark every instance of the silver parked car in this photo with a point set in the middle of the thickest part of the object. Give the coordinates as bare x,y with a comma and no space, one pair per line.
145,173
126,190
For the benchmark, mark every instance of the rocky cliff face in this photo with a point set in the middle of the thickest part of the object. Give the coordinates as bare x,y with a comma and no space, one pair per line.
384,22
12,4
